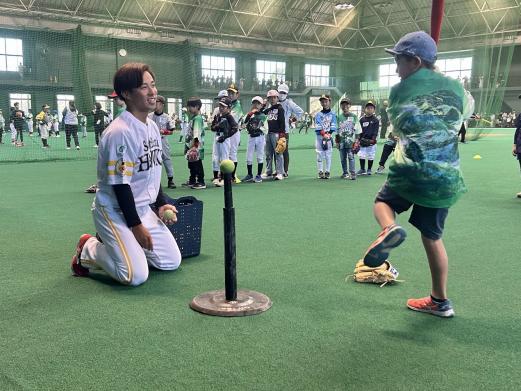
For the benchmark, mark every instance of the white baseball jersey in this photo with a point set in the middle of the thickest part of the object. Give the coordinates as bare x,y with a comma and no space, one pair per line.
129,153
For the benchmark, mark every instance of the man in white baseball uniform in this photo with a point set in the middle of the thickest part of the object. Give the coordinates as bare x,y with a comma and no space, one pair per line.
130,234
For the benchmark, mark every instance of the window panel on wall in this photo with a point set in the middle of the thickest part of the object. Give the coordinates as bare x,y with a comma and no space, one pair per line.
11,54
207,107
453,64
271,70
456,67
316,75
216,66
174,106
466,63
13,47
13,63
62,101
24,101
387,76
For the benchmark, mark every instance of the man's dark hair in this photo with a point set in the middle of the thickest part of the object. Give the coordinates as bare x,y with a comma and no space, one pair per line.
194,102
130,76
98,105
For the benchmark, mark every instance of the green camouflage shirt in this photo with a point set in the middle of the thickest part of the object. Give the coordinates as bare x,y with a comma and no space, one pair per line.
348,129
237,112
426,110
195,130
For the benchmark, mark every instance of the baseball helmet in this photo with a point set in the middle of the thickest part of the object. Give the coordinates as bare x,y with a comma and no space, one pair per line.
225,101
222,94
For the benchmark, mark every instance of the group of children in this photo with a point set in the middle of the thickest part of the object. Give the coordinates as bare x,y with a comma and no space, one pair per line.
20,122
48,123
267,125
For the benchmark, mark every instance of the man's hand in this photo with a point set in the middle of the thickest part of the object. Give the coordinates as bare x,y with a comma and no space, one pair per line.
162,216
143,236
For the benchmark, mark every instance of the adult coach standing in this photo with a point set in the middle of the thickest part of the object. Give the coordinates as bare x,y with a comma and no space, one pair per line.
291,109
70,119
384,119
129,180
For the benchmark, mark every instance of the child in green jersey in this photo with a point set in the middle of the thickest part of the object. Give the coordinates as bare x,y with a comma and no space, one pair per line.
194,140
348,134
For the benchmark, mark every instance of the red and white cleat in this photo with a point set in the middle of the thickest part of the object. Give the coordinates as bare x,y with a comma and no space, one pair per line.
76,268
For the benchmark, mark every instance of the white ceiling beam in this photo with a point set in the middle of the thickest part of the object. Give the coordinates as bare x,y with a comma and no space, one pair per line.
78,7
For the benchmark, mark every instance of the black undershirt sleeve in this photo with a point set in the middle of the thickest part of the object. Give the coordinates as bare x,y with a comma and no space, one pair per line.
161,199
127,205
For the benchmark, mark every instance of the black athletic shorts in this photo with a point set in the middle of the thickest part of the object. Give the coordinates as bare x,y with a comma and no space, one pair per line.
429,221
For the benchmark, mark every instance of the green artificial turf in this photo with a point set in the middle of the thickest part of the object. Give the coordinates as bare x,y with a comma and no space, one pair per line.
296,242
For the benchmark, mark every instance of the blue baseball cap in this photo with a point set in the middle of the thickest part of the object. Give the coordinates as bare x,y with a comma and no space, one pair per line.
416,44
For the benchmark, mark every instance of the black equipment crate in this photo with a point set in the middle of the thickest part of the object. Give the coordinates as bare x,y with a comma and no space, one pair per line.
187,230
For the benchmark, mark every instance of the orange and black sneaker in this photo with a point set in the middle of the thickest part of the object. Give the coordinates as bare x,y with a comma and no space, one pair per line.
76,268
426,304
378,252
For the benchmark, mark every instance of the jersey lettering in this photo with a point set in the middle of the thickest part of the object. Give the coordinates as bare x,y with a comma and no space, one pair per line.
151,157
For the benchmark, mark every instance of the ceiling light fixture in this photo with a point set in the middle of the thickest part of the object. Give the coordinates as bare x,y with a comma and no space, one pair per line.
343,6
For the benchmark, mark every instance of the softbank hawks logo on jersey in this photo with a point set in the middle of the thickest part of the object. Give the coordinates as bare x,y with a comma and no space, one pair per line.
152,156
326,124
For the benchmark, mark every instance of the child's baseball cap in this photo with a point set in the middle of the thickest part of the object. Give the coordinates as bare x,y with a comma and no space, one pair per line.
325,97
370,103
416,44
233,88
257,99
225,101
346,101
222,94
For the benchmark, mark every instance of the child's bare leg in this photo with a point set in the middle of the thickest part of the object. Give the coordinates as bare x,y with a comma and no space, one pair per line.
439,265
384,214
